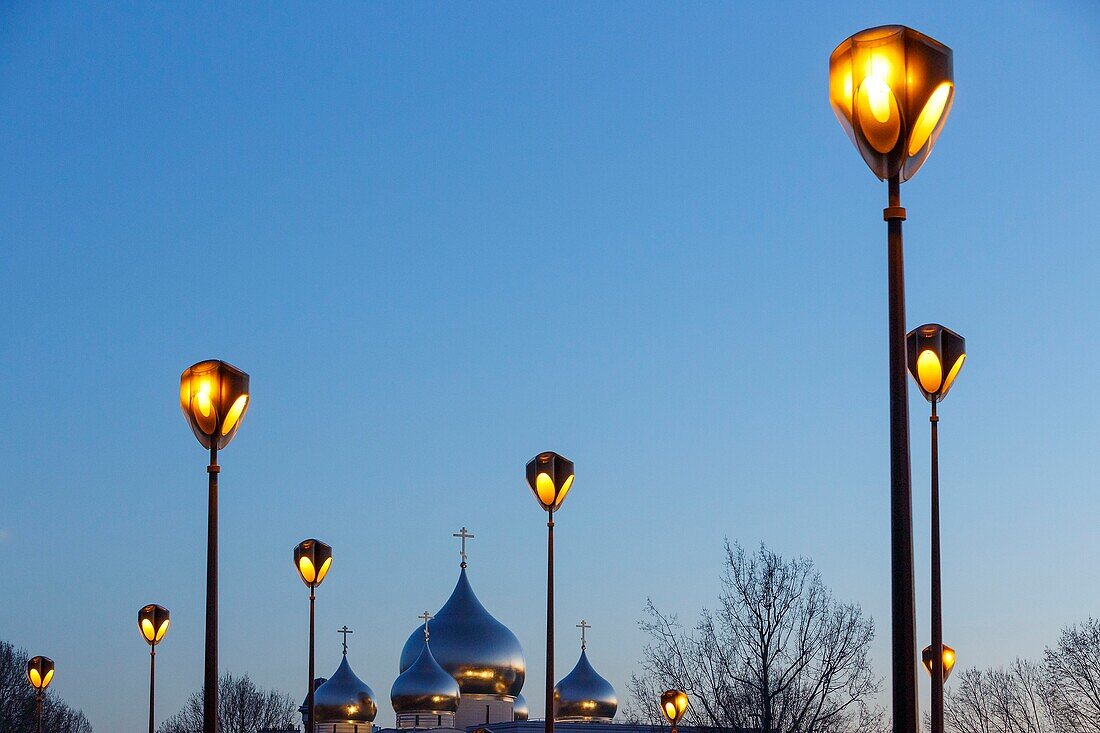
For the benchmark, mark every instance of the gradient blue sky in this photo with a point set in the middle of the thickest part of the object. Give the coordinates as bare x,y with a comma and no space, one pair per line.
443,237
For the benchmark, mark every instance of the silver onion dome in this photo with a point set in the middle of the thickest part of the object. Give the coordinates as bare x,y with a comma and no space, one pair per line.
482,655
344,698
520,709
583,695
425,687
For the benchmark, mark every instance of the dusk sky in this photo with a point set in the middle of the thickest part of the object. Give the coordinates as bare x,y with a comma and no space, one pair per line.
444,237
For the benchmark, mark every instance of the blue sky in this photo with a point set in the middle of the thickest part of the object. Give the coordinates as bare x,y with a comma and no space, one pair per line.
444,237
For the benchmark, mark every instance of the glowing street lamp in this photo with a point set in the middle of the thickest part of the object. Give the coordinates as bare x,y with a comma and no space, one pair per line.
153,622
312,558
948,659
40,674
550,477
891,88
214,398
674,704
935,355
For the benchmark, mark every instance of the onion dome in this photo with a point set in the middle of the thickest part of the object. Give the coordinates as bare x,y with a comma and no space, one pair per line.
425,687
520,710
584,696
344,698
482,655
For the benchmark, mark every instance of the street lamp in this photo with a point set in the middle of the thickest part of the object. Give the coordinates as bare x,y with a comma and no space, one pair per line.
214,398
673,704
40,674
313,559
935,355
891,89
948,659
550,477
153,621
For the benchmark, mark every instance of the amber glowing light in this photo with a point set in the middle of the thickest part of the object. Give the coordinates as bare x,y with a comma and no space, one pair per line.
550,477
935,355
40,672
214,398
948,660
153,622
891,88
313,559
673,704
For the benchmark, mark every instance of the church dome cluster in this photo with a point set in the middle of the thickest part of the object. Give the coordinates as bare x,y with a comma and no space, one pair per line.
459,669
481,653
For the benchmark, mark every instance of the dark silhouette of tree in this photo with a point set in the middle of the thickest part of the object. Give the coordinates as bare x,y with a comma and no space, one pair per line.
1073,678
242,708
779,653
17,708
1011,700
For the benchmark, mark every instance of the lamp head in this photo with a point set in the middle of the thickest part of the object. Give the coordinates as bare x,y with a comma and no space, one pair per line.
891,89
550,477
214,398
40,672
935,356
948,660
153,622
313,559
673,704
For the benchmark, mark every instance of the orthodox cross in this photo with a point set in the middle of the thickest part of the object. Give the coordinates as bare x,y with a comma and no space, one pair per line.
463,535
345,631
584,626
427,617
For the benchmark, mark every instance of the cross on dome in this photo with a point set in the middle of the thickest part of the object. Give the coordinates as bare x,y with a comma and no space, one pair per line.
345,631
427,617
584,626
463,535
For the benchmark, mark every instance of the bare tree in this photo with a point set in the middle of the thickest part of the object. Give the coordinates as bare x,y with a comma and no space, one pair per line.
1011,700
1073,678
242,708
779,653
17,708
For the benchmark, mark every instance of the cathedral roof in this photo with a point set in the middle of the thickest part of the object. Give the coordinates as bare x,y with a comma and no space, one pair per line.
344,698
584,695
520,710
425,687
481,653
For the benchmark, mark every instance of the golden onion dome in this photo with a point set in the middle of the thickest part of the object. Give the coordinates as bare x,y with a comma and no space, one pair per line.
344,698
584,696
425,687
482,655
520,709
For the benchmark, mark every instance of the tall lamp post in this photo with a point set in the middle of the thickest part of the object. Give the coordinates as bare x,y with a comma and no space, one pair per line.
550,477
935,355
153,622
674,704
891,89
313,559
214,398
40,675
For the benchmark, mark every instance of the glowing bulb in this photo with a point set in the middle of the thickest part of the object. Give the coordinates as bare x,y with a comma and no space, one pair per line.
929,371
929,117
544,486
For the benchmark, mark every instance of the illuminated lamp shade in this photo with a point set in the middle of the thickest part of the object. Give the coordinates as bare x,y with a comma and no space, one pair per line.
313,559
673,704
550,477
935,356
153,622
891,89
40,672
948,660
214,398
